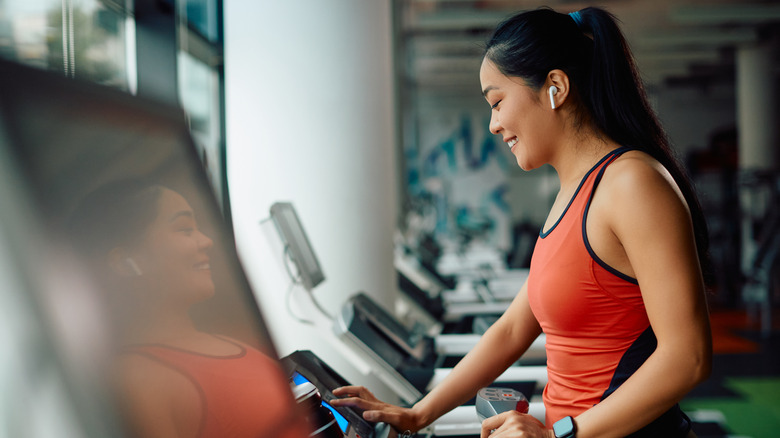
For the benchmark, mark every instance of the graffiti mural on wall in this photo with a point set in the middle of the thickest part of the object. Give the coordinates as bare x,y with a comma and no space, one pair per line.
462,169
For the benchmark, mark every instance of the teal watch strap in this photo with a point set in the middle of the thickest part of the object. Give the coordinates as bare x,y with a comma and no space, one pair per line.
564,428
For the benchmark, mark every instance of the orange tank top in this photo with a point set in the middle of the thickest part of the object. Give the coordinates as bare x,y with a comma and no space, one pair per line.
244,395
597,329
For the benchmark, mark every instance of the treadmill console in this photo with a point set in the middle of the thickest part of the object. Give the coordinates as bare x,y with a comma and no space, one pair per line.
493,401
304,366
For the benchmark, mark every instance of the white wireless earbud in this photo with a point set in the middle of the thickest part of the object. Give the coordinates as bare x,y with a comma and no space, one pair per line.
134,266
552,91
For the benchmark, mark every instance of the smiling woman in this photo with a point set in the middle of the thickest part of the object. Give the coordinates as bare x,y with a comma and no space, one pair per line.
172,379
615,279
519,115
147,241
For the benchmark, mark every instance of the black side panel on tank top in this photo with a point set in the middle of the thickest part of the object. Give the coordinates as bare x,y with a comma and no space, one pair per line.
672,423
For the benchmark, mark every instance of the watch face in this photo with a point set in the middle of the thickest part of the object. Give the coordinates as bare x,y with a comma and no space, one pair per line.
564,428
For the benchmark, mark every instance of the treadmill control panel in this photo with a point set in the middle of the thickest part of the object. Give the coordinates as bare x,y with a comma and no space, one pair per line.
493,401
304,366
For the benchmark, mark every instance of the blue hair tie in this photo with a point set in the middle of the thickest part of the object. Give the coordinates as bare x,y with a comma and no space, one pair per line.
577,18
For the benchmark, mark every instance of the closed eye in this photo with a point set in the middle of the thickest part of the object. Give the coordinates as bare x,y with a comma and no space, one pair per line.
495,105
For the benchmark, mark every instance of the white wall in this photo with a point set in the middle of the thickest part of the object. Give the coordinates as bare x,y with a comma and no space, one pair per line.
310,120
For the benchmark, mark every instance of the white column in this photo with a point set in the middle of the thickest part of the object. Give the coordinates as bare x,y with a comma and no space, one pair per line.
759,139
757,108
310,120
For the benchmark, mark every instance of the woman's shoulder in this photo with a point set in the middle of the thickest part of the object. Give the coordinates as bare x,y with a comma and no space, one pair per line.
638,191
636,175
637,163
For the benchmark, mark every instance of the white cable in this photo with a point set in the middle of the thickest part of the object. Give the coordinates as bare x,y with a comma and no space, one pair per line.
296,280
289,307
286,256
319,306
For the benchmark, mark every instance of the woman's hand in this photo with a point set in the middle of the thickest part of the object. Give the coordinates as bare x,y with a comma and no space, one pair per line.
374,410
512,424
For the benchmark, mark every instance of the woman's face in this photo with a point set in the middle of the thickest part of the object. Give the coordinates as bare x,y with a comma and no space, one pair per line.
519,115
173,255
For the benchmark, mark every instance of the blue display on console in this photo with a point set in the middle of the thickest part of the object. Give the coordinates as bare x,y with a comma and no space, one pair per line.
298,379
343,423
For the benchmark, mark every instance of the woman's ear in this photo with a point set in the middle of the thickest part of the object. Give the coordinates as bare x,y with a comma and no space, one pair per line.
121,263
556,88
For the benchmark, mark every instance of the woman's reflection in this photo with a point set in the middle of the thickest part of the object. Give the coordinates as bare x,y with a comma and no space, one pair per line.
174,380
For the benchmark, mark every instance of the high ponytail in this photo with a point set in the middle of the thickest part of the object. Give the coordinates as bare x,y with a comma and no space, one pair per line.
590,48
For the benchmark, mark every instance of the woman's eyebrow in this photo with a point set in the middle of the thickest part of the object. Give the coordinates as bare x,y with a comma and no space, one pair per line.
488,89
187,213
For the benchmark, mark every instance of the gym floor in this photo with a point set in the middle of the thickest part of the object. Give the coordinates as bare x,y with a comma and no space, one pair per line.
742,397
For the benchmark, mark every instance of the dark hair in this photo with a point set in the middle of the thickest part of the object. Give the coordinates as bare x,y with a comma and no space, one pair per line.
604,80
114,214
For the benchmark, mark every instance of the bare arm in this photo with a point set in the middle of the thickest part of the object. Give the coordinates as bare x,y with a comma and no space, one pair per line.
498,348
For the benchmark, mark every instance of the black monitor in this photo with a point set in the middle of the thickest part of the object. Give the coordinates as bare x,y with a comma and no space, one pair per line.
297,244
127,215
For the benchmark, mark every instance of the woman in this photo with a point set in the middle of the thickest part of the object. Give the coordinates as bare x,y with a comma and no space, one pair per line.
172,379
616,278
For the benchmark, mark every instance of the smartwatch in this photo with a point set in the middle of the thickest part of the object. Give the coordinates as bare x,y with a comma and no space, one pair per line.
564,428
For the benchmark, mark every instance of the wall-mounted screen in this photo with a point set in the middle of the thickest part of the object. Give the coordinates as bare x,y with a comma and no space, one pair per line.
297,244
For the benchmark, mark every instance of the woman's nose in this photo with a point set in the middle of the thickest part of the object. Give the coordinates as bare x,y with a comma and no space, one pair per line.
205,243
495,126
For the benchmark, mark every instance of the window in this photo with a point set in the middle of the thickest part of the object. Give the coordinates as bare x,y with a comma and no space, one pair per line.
85,39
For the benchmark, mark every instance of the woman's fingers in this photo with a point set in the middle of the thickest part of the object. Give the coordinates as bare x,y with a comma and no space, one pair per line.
354,402
513,424
356,397
349,390
354,391
493,423
374,410
486,431
344,390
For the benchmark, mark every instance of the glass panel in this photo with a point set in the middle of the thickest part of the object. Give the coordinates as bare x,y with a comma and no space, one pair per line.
81,38
199,93
99,44
26,27
31,387
202,16
130,229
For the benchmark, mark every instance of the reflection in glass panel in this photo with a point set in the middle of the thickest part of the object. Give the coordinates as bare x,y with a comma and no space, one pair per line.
201,15
25,29
198,88
127,204
199,93
81,38
34,401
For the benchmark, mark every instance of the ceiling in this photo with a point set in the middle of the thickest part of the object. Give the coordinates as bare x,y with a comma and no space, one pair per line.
675,43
